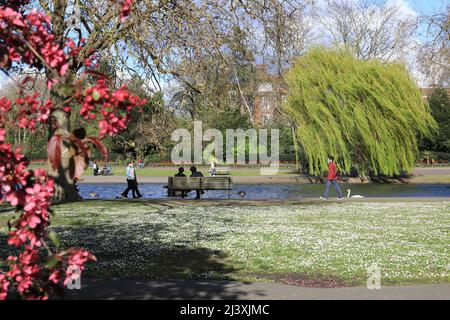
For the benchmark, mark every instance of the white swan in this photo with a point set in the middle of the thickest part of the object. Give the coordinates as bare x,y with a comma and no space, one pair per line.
355,196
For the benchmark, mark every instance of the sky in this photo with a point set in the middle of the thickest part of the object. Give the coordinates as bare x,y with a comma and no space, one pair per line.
426,6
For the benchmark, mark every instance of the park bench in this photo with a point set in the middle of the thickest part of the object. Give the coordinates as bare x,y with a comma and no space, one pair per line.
222,171
105,171
200,184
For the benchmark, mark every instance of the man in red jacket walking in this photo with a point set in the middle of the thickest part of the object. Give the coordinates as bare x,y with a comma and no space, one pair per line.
332,179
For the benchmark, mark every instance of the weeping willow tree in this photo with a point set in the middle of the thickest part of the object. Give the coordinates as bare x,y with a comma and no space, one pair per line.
364,112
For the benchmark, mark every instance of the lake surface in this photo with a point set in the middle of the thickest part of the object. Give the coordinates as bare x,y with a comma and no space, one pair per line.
275,191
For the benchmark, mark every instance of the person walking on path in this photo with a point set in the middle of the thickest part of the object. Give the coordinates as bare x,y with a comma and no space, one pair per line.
95,169
132,182
332,179
180,174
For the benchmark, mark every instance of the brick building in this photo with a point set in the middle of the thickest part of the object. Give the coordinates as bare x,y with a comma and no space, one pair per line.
426,92
271,92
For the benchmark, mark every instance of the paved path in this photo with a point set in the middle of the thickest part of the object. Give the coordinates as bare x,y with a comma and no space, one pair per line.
432,171
231,290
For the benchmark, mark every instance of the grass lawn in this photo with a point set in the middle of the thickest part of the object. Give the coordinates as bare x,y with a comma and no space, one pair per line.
248,171
441,178
145,240
168,171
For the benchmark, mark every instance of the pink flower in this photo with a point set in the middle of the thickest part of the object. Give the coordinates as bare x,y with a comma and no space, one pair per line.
2,135
55,276
23,283
79,257
114,106
87,62
76,262
63,69
126,9
22,236
33,28
4,284
32,222
32,111
5,105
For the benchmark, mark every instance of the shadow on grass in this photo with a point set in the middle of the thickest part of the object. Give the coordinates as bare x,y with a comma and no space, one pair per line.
381,179
166,268
147,250
161,290
143,251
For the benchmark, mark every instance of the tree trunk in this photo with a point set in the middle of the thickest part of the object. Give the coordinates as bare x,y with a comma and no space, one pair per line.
65,190
243,99
295,143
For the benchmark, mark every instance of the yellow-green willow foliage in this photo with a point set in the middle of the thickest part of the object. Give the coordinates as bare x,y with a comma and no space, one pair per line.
365,113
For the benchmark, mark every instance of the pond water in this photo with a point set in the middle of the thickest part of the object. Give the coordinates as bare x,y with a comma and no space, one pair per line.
276,191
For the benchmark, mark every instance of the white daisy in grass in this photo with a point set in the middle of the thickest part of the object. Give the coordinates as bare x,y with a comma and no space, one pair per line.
408,240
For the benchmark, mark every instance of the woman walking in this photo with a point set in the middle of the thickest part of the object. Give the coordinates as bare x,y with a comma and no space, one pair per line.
131,182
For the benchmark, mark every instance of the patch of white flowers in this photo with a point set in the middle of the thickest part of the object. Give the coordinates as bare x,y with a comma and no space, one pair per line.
409,241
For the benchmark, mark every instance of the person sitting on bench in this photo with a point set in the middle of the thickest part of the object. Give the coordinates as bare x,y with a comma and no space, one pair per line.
196,174
180,172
